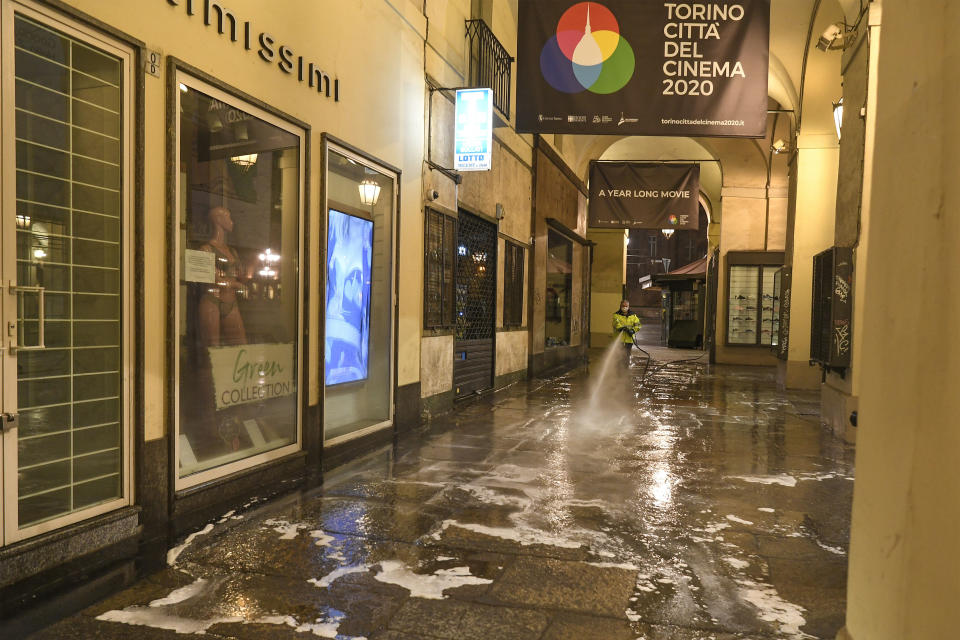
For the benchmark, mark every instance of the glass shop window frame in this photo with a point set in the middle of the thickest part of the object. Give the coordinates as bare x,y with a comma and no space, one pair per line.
333,145
761,261
98,40
448,247
514,255
181,74
553,232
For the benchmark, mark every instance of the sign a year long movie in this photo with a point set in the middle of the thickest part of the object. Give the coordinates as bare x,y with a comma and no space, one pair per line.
633,195
643,67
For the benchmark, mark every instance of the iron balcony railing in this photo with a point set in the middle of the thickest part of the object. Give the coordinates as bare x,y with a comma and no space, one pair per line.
490,64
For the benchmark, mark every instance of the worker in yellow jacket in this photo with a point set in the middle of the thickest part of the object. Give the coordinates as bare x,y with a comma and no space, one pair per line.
625,324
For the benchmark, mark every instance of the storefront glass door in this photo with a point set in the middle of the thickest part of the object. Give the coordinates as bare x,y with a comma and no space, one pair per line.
65,223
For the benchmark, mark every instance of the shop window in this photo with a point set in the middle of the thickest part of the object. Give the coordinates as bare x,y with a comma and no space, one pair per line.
67,202
439,263
239,283
652,241
359,295
751,311
512,285
559,293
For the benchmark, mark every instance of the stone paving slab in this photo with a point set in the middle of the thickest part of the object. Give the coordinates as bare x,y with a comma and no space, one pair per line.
570,586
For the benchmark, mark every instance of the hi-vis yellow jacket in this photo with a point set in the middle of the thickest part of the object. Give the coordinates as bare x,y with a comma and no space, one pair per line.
626,325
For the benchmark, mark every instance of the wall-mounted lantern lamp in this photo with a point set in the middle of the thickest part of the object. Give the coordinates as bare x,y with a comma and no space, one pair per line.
369,192
667,232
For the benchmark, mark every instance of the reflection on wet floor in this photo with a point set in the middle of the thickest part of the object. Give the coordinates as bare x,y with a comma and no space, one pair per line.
701,504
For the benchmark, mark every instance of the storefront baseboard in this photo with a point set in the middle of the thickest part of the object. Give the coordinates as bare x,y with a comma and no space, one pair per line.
835,409
197,505
557,360
44,599
795,374
338,454
437,405
407,414
40,554
153,488
509,378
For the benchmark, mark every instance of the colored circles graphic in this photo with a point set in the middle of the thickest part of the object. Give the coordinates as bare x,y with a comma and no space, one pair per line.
587,53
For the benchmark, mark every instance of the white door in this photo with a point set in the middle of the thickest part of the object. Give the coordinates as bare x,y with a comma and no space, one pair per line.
66,113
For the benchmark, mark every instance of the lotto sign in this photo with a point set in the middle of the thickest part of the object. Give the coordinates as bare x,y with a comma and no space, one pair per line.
474,130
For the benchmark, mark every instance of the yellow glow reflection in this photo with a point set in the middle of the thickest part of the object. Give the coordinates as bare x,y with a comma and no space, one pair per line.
661,488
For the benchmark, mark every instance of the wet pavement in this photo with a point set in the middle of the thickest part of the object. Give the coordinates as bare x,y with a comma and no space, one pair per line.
678,502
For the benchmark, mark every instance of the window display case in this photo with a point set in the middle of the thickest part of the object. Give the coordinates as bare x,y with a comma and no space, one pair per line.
773,318
753,309
238,279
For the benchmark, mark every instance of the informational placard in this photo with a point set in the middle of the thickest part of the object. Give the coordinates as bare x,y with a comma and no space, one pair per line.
473,139
199,266
248,373
631,195
643,67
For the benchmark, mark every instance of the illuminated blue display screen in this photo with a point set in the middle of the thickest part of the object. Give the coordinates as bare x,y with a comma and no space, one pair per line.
349,256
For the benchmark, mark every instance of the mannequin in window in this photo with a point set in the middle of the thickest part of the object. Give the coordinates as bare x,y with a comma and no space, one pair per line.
220,322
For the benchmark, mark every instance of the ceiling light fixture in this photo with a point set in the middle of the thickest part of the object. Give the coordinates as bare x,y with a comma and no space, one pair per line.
246,161
830,36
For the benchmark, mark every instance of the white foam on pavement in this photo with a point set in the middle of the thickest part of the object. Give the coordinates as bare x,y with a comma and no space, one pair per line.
783,479
736,563
523,535
786,616
429,586
331,577
835,550
321,537
174,553
287,530
179,595
158,618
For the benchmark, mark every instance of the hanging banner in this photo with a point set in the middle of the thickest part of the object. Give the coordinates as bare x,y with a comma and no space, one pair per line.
629,195
643,67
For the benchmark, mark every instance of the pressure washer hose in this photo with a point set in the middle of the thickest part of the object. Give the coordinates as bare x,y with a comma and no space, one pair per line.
661,365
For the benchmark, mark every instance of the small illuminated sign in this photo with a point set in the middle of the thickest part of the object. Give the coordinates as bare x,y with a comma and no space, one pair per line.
473,141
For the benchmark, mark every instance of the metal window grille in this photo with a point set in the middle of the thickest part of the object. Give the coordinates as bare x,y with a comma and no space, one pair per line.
513,285
439,260
490,64
476,283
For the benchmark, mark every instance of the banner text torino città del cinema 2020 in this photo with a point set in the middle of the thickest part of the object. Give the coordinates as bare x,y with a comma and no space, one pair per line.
643,67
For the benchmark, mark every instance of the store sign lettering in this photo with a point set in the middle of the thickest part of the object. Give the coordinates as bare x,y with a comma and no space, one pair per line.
251,373
266,45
